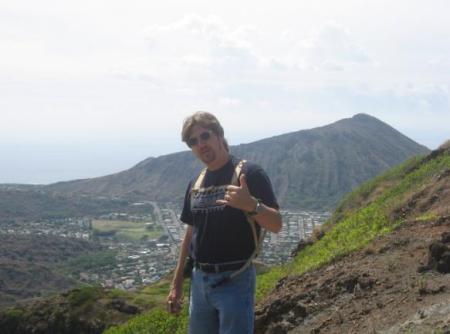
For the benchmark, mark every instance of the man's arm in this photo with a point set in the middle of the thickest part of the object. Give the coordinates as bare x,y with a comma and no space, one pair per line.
176,289
269,218
240,198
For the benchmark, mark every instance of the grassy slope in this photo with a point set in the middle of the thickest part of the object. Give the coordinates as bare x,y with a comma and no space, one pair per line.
362,216
157,320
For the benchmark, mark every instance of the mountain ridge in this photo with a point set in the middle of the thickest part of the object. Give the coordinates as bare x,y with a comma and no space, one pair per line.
322,158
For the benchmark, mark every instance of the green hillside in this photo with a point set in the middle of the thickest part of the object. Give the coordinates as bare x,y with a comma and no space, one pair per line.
374,209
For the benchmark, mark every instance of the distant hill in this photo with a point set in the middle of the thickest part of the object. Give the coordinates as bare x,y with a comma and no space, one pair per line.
309,169
23,202
29,265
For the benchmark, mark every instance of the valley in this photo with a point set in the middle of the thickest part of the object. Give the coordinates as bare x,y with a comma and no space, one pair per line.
131,250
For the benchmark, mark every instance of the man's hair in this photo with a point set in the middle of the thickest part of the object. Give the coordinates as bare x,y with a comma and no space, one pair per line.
205,120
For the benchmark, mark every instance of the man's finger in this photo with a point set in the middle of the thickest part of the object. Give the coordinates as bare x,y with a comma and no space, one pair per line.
243,181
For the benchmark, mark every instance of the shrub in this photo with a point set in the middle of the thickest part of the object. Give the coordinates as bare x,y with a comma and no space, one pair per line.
83,296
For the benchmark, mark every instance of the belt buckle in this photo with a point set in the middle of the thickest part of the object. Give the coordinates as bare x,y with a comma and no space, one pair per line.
217,268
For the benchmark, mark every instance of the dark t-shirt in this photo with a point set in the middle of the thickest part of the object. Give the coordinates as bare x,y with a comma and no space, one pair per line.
222,233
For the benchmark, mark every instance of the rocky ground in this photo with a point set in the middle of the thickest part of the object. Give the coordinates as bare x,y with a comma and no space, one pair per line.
392,286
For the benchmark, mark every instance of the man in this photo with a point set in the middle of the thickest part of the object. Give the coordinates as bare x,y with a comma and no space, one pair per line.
219,234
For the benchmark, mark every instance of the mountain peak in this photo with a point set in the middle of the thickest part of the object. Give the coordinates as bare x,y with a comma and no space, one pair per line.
362,116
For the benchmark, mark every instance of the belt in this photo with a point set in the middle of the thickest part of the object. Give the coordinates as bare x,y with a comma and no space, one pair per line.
219,267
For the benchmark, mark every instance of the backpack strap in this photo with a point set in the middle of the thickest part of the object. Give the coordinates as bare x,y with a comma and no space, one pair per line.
247,263
237,173
234,180
258,240
199,182
251,221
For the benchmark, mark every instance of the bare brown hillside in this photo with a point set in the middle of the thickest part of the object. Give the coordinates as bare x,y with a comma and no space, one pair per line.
392,286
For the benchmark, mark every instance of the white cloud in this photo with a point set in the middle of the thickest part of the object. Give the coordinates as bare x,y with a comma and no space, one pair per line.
199,54
332,47
197,47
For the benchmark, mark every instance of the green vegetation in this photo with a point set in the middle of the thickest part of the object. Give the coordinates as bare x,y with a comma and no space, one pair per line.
368,191
13,317
14,313
84,296
155,294
156,321
362,216
126,230
427,217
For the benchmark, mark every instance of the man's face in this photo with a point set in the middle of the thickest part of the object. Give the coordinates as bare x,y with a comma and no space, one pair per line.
207,150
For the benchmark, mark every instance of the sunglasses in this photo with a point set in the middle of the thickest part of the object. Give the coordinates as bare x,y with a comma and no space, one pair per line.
193,141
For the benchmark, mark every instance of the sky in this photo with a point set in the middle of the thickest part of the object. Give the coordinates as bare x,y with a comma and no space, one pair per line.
89,88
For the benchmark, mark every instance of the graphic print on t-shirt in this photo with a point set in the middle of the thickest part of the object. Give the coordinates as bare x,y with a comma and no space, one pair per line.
205,199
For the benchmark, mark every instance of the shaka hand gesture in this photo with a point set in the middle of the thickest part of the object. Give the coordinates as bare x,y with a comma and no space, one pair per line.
239,197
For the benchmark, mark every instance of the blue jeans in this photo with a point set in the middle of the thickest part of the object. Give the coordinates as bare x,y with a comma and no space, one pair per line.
225,309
